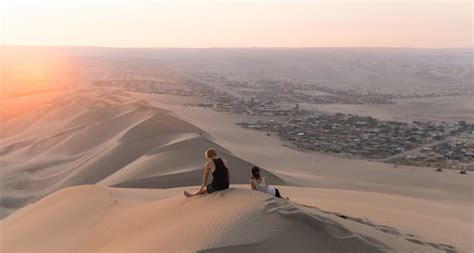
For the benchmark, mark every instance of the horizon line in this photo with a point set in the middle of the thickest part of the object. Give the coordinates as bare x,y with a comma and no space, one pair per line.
249,47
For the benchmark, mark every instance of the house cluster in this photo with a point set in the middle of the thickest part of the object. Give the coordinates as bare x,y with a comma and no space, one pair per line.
300,92
356,135
454,153
459,150
265,100
291,96
252,106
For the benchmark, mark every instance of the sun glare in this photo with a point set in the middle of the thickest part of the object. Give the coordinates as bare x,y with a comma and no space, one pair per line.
24,73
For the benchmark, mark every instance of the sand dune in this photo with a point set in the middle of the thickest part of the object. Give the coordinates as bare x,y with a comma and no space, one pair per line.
115,141
97,219
104,137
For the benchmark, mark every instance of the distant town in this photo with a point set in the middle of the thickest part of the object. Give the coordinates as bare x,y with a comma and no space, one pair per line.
427,144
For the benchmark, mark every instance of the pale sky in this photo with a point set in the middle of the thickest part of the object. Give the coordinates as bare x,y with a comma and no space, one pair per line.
237,23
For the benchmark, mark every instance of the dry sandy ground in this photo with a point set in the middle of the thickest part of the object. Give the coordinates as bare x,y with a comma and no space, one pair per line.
96,219
100,137
111,138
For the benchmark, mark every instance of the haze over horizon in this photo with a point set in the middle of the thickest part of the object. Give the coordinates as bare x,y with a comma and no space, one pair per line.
237,24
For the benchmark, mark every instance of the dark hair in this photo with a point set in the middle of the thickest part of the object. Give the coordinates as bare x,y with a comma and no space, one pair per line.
255,172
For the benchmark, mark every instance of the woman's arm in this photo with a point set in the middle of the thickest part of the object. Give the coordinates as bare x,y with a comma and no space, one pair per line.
252,184
227,166
206,175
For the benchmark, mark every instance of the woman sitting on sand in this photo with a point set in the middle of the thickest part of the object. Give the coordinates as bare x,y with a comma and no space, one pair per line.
220,175
258,184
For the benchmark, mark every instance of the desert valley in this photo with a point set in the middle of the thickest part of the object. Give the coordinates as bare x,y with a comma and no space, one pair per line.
373,146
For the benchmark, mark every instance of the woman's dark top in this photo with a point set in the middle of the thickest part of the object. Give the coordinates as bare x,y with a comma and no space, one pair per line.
220,176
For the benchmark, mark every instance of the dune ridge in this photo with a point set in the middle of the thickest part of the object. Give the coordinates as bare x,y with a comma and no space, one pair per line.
105,137
97,219
117,141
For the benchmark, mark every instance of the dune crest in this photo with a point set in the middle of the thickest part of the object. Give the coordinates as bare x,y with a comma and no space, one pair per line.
94,219
110,138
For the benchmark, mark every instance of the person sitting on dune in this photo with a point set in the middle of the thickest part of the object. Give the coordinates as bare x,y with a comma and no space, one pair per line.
220,174
258,184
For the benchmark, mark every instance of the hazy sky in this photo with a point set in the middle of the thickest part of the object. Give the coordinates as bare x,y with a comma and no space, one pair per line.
237,23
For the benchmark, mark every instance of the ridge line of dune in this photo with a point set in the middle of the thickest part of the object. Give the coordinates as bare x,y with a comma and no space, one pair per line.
89,218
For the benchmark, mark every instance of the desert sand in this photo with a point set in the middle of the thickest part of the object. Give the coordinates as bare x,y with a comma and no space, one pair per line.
112,143
447,108
105,138
97,219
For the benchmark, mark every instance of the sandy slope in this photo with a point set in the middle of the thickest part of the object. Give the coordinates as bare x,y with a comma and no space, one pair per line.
97,219
436,206
419,219
104,137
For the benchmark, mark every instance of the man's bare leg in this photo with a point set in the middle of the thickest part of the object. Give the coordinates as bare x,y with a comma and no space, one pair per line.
199,192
